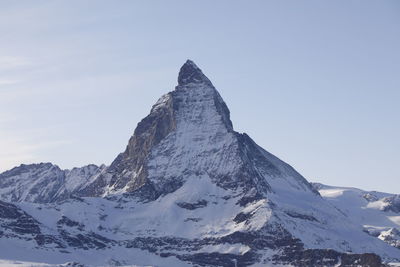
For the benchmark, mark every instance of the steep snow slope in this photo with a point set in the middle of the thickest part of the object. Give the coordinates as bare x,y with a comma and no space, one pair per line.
376,213
188,189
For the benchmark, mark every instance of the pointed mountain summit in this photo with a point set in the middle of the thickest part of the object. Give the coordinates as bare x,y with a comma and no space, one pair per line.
188,133
190,73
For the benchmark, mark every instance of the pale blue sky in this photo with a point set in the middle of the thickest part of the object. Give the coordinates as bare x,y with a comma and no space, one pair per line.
316,83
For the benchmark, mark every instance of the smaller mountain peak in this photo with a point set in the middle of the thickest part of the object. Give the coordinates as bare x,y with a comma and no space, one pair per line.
190,73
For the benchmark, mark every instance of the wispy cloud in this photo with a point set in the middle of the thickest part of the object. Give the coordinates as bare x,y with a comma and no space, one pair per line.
11,69
5,82
12,62
17,148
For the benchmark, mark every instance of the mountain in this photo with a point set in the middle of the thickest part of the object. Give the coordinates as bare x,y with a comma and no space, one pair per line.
377,213
187,191
44,182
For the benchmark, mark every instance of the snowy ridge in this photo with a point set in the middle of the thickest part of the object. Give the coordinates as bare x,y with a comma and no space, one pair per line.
44,182
373,212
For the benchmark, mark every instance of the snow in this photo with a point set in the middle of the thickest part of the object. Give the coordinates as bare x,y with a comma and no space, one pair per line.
44,182
395,219
126,220
11,263
261,214
163,217
162,101
379,205
331,193
226,248
14,251
366,213
201,143
78,177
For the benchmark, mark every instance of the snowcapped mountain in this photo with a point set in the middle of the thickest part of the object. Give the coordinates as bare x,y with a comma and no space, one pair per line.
187,191
377,213
44,182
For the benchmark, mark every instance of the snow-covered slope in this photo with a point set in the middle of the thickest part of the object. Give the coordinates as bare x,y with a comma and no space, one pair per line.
377,213
44,182
187,191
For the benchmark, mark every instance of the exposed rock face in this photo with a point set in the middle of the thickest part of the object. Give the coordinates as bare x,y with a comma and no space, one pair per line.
391,236
14,221
191,74
393,203
128,172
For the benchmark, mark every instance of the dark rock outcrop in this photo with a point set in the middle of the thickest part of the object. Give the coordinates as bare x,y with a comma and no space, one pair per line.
393,203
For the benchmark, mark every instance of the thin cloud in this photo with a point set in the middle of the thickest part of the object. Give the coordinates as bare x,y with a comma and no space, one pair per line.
5,82
16,150
12,62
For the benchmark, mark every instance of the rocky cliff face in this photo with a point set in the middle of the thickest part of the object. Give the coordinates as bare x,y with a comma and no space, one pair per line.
188,190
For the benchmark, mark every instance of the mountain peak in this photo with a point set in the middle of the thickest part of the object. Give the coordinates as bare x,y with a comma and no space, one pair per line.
190,73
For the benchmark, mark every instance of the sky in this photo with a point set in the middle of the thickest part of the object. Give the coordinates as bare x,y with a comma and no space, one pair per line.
317,83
